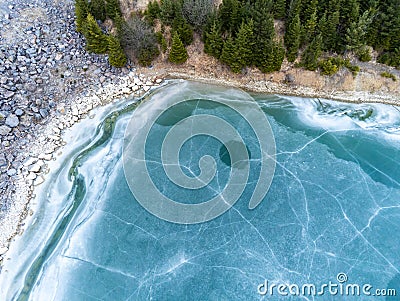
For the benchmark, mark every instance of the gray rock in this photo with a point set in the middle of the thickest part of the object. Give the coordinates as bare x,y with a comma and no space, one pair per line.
4,130
3,160
8,94
19,112
44,112
31,87
12,120
289,78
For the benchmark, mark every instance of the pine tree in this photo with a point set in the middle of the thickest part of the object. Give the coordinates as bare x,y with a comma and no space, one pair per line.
264,31
278,52
98,9
184,30
272,58
213,42
81,12
245,44
356,33
349,13
279,9
309,22
116,55
230,16
178,53
170,11
292,33
153,11
309,58
112,9
327,27
119,22
96,40
230,56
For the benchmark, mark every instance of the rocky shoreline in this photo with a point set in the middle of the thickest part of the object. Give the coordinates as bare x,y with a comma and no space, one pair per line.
48,82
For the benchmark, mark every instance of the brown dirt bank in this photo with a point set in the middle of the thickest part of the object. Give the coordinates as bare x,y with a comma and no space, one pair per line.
367,86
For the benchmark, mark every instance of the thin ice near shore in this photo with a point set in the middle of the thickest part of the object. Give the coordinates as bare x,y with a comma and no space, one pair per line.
49,143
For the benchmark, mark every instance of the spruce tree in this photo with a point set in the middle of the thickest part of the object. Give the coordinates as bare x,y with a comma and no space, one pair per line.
96,40
153,11
356,33
230,16
116,55
292,33
349,13
81,12
272,58
309,22
309,58
170,10
264,31
113,9
98,9
327,27
279,9
279,54
213,42
245,44
184,30
230,56
178,53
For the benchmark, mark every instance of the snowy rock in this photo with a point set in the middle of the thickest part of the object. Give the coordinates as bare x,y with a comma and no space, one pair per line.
4,130
12,121
11,172
3,250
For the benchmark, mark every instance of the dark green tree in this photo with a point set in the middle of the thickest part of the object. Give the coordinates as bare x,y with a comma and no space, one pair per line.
153,11
356,34
349,13
147,52
213,42
116,55
98,9
161,41
279,9
272,58
184,30
245,44
96,40
81,12
309,58
230,16
113,9
327,27
292,33
230,56
170,11
389,20
309,21
178,53
264,32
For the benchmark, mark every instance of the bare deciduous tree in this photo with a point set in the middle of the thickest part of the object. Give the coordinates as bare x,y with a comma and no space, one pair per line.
196,12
